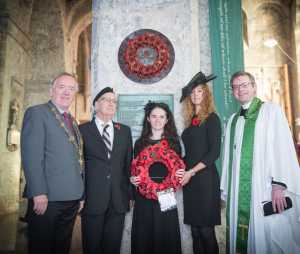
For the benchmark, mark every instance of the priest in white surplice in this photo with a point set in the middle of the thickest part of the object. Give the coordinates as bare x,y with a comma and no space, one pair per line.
259,165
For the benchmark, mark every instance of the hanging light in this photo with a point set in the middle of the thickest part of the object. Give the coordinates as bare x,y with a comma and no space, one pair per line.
271,43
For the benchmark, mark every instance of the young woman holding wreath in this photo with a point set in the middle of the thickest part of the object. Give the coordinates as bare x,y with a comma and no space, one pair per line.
156,170
202,140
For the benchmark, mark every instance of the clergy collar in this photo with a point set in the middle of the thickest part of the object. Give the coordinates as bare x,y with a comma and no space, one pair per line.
247,105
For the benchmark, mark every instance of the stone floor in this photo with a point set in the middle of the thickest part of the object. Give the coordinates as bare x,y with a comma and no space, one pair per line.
13,235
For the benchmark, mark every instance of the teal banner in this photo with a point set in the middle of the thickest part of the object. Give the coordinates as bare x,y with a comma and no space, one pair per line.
226,38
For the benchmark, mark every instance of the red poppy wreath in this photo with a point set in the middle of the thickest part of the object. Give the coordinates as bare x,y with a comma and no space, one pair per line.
160,152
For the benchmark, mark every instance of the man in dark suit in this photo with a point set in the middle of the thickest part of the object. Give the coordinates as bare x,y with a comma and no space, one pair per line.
108,155
51,151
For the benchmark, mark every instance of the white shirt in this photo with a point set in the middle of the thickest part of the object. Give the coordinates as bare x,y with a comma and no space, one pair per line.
110,129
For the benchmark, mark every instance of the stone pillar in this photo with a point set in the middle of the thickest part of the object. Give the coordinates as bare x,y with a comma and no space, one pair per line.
82,107
185,24
296,97
47,54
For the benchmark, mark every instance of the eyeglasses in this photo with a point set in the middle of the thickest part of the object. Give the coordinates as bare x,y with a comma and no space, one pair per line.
244,85
114,101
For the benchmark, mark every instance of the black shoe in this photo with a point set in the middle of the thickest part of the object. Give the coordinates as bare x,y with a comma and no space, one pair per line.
23,219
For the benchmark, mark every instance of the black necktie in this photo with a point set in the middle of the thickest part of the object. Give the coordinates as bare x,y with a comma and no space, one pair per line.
243,112
106,139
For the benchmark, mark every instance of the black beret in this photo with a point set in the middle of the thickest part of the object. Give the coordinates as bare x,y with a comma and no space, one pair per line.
198,79
103,91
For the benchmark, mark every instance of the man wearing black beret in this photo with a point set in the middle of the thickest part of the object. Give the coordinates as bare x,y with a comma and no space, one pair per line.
108,155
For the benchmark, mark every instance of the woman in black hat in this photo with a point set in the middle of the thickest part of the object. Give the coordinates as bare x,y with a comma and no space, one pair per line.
155,231
202,139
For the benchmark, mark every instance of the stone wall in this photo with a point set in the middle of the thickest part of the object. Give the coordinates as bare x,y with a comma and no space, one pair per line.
184,23
32,53
278,20
15,45
296,26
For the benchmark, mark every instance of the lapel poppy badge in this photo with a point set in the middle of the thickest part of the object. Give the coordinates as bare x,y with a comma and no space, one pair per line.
117,126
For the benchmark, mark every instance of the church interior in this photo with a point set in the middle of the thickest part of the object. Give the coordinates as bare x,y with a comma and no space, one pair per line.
40,39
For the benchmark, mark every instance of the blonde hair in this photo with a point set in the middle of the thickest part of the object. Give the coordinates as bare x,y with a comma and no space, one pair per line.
207,106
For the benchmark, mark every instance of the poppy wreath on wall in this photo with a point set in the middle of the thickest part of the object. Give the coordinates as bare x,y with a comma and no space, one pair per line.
162,153
146,56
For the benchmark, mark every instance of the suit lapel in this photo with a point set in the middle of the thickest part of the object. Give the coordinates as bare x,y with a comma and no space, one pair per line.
76,131
75,137
60,120
94,130
117,138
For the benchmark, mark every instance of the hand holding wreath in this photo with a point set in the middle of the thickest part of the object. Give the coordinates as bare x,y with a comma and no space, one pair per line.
162,153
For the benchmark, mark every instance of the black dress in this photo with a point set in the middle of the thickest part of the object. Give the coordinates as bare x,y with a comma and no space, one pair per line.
153,231
201,196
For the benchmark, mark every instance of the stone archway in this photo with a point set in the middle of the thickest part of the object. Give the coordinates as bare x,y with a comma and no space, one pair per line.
77,55
83,72
272,69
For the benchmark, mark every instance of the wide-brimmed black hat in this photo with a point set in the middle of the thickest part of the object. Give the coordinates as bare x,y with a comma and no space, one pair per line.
198,79
103,91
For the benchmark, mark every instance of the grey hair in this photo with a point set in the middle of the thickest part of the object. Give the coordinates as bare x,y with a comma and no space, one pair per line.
62,74
242,73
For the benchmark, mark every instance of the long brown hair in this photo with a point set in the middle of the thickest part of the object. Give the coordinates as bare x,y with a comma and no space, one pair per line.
170,130
207,106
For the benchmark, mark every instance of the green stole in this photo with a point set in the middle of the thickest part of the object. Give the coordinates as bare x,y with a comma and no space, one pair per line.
244,198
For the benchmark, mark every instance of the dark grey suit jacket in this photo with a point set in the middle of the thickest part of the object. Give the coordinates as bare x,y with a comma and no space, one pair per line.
106,180
50,155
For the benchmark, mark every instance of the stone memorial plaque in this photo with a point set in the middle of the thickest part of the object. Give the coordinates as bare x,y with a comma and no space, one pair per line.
131,109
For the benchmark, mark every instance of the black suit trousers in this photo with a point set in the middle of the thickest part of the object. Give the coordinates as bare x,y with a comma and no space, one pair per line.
51,233
102,233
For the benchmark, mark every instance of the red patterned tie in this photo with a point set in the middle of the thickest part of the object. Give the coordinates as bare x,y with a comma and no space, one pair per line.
68,122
